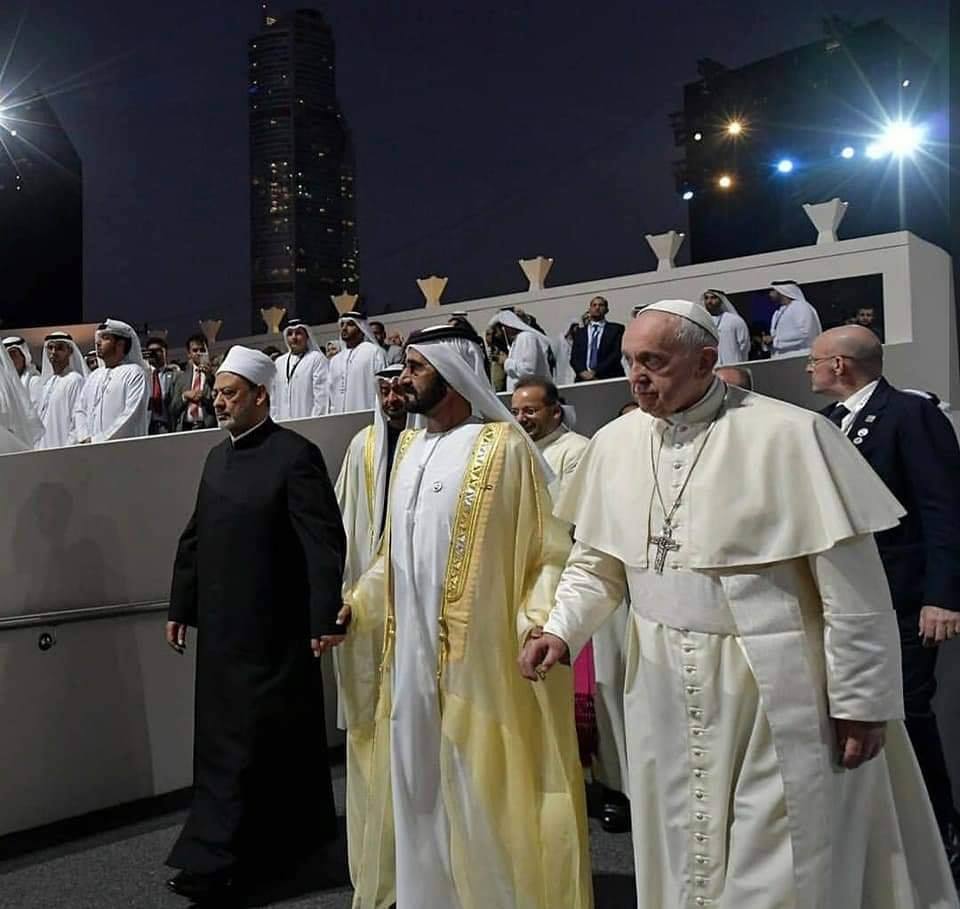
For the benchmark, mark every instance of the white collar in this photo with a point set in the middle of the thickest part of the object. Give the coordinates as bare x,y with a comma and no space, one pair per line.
858,399
599,324
548,440
704,410
243,435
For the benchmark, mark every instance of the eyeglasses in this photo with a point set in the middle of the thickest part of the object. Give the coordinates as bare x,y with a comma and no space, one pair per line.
812,361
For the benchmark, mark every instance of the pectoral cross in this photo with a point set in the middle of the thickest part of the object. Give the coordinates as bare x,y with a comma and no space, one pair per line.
665,544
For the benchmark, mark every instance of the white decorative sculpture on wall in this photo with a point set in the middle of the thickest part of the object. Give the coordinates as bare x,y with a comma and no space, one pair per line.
272,318
432,289
665,247
826,218
345,302
536,271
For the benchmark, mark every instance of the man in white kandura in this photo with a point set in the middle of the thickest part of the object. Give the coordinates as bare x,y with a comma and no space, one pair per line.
529,350
350,384
474,795
22,358
795,324
113,403
764,680
734,343
64,372
300,389
20,427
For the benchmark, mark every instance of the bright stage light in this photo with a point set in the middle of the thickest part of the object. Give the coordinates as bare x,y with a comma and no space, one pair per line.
734,128
902,139
687,196
905,83
725,182
697,136
848,151
785,166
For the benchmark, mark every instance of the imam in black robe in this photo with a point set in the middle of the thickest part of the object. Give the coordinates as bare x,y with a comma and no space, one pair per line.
258,573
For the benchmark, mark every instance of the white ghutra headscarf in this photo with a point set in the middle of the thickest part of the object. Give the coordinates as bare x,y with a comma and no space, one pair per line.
78,363
17,415
122,330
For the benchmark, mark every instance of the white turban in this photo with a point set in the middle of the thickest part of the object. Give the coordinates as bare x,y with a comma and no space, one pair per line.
451,357
253,365
685,309
122,330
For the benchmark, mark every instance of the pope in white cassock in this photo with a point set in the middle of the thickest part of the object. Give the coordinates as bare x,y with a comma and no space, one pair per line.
23,361
350,382
795,324
468,791
300,388
64,372
733,342
20,427
113,403
763,673
529,350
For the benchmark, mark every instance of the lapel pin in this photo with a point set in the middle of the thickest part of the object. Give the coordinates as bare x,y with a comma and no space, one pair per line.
869,418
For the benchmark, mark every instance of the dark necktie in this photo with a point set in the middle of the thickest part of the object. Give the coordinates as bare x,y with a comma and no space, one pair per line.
594,347
837,414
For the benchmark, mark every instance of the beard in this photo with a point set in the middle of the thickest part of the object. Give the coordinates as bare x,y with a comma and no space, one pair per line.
428,399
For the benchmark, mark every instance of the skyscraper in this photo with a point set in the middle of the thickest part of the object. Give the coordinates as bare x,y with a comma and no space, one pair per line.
41,210
303,226
806,125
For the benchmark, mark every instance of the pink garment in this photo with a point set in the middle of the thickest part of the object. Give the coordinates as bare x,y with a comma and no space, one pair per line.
584,690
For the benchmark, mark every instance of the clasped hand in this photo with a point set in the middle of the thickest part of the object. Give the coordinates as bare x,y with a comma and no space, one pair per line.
540,652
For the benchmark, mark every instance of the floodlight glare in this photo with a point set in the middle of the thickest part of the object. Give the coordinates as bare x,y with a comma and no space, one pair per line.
785,166
874,150
697,136
687,196
848,151
734,128
725,182
902,139
905,83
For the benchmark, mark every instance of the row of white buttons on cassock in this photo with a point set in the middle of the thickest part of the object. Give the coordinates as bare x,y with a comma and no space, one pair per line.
681,441
700,818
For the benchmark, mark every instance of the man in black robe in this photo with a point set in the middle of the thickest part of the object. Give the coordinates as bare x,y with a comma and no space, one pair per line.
258,573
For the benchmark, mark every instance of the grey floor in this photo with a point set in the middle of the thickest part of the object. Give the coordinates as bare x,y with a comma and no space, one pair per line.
124,868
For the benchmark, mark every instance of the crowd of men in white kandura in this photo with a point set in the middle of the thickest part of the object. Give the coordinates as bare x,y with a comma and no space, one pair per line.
119,390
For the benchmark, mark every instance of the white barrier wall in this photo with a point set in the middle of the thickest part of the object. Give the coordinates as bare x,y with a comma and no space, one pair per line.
105,715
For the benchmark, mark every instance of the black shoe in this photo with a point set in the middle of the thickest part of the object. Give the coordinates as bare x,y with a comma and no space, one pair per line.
205,889
615,817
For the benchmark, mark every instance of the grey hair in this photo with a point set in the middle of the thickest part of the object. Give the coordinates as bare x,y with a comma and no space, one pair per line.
692,337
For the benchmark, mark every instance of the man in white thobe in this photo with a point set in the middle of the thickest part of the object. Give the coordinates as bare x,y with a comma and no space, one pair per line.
64,372
734,336
113,403
300,389
350,384
537,407
22,358
764,679
529,351
795,324
20,427
471,783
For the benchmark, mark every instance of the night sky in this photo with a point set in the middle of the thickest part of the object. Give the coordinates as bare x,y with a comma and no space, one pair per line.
483,133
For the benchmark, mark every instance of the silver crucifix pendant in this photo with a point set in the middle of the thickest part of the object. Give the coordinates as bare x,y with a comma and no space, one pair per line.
665,543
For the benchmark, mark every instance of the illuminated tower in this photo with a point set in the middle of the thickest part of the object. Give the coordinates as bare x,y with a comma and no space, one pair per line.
303,224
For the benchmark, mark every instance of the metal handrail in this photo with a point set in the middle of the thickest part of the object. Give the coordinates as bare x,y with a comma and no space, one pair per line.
83,614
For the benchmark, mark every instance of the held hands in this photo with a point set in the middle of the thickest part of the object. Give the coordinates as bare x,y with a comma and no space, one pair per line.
938,625
859,741
177,636
539,653
328,641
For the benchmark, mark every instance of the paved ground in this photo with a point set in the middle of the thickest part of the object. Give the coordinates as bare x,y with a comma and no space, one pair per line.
123,868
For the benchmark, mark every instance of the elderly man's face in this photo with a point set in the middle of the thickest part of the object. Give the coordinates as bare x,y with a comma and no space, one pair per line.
59,353
664,376
297,341
238,404
530,409
823,366
423,387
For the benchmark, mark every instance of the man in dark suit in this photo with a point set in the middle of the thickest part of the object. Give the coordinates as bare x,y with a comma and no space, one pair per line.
596,348
191,397
913,448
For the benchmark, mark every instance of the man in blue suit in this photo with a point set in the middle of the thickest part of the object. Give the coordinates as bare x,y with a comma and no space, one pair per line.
912,446
596,347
